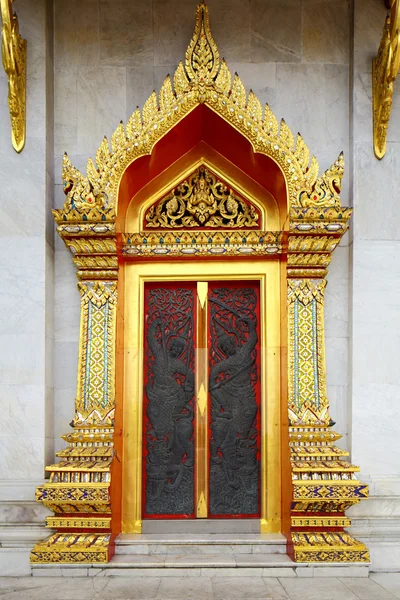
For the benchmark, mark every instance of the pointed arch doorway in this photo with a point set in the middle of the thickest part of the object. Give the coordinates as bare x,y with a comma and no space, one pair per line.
207,442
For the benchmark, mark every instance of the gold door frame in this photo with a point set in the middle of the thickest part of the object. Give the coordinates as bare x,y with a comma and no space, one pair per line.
267,272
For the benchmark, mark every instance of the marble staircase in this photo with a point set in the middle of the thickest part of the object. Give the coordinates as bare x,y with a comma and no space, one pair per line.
188,553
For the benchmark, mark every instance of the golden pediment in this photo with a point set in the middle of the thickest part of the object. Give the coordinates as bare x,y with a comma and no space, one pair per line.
201,200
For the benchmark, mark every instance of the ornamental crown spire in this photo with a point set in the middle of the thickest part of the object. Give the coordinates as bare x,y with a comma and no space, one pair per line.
202,56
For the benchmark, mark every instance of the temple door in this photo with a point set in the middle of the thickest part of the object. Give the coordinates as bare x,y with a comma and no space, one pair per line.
202,399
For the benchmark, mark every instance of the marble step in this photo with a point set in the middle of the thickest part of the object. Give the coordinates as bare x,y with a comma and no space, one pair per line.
200,526
195,561
205,544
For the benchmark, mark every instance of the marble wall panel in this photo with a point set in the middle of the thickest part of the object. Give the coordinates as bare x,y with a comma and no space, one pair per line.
126,32
67,298
326,31
23,178
276,31
231,22
173,28
76,35
140,84
336,295
22,456
377,210
101,105
376,339
368,27
313,99
65,111
261,78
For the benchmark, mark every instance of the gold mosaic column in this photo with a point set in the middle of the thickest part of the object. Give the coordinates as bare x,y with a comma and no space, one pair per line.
78,490
324,483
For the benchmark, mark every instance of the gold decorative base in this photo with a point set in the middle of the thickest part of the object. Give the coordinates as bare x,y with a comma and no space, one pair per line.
79,493
328,547
324,486
72,548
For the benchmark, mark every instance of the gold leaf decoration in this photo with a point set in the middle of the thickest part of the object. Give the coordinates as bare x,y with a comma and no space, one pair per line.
286,136
270,122
302,152
254,106
166,95
92,173
118,138
134,125
150,109
181,82
202,56
223,82
102,154
238,93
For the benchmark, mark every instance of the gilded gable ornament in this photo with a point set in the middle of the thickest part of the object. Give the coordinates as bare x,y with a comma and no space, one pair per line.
13,52
201,200
202,79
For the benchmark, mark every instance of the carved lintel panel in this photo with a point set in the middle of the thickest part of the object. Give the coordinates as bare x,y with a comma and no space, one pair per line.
202,200
234,386
13,49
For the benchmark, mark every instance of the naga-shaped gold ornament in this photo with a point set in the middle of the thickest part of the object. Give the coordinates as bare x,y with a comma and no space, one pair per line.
385,68
13,51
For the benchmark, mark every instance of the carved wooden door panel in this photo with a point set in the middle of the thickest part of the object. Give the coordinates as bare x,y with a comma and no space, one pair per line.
202,397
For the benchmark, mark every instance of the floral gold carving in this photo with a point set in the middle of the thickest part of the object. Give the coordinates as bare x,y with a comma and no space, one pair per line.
385,70
201,201
13,50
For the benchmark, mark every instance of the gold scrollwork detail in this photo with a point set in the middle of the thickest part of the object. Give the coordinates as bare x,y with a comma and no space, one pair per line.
201,200
385,68
13,50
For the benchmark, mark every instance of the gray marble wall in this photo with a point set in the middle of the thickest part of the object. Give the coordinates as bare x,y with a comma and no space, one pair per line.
375,271
27,256
110,55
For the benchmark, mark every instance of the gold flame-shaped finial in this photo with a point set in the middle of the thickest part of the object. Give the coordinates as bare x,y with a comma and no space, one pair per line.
202,56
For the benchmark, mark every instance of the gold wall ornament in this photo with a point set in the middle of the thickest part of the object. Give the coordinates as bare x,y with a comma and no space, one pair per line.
385,68
13,51
201,200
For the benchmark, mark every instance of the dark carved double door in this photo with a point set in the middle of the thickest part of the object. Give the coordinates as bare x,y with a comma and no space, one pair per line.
202,393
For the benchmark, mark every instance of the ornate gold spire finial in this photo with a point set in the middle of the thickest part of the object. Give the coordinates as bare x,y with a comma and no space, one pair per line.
13,50
202,56
385,68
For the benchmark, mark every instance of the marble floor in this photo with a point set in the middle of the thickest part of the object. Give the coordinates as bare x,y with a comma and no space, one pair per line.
379,586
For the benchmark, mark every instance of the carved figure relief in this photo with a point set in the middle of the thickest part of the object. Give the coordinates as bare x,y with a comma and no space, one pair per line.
169,406
234,465
202,200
